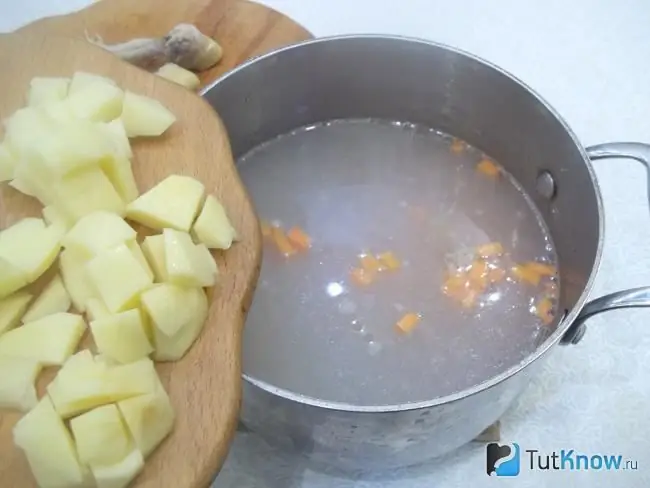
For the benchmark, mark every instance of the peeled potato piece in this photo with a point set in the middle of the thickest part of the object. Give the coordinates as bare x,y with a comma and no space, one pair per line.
49,448
121,337
144,116
186,263
53,299
7,164
50,340
168,306
12,309
12,278
75,278
82,79
173,203
178,75
98,101
153,248
120,474
44,90
97,232
212,226
17,377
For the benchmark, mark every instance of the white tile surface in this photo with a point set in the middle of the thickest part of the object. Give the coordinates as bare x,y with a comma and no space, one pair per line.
589,58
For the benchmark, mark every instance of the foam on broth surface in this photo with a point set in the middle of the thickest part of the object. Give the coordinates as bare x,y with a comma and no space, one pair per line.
365,186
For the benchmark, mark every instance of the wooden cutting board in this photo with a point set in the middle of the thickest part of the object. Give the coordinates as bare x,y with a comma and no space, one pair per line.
204,386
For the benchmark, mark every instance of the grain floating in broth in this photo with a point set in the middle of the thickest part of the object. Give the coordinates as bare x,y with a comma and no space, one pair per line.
400,264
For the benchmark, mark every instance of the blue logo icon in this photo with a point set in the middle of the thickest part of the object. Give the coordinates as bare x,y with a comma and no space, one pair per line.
502,460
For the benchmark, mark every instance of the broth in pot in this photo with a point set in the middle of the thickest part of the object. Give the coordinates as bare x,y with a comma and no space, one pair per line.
400,265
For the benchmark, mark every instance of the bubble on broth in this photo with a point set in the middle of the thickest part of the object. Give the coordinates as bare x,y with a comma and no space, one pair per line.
404,221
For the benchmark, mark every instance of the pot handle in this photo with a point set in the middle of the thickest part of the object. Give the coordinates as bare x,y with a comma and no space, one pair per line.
637,297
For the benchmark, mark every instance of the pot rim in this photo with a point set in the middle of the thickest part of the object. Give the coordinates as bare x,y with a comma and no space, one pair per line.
564,323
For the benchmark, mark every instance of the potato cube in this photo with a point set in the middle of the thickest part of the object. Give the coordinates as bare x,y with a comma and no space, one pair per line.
136,250
96,309
12,309
85,382
33,179
53,299
97,232
49,448
174,203
212,226
187,264
12,278
121,337
120,474
100,436
25,129
7,164
30,246
154,250
75,278
144,116
98,101
168,307
178,75
121,145
81,79
174,347
54,216
149,418
17,377
58,111
119,172
50,340
43,90
118,277
84,192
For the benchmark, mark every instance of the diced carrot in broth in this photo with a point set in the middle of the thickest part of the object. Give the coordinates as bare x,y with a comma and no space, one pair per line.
542,269
524,273
370,263
490,250
544,310
456,286
407,323
478,274
389,260
362,277
299,238
266,228
457,146
469,299
282,242
496,275
488,168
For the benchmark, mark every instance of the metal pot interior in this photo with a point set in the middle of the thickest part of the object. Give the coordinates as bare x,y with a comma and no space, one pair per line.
358,77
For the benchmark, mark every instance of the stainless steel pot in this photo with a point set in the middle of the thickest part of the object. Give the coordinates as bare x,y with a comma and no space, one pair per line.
427,83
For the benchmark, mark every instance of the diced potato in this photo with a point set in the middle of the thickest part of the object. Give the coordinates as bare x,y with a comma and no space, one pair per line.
43,90
118,277
97,232
178,75
149,418
98,101
174,347
53,216
135,249
34,179
12,309
154,250
49,448
23,187
71,146
121,337
82,79
53,299
119,172
12,278
75,278
30,246
96,309
17,377
144,116
7,164
120,474
85,383
169,307
212,226
25,129
117,132
58,111
186,263
100,436
84,192
174,203
50,340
